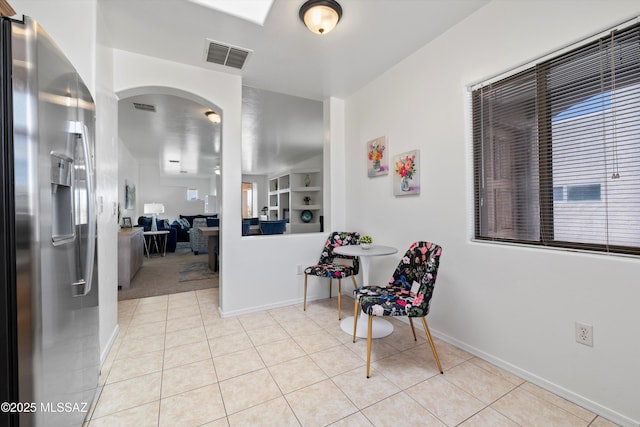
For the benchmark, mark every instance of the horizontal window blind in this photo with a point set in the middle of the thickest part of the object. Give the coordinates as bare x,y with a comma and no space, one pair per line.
556,149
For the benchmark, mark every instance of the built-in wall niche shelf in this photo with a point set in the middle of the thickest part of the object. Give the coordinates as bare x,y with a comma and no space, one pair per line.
306,178
287,193
309,189
307,207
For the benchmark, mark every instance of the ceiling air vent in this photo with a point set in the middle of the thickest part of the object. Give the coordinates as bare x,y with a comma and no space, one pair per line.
227,55
144,107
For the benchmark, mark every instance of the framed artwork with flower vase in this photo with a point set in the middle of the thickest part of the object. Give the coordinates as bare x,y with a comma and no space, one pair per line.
406,173
378,157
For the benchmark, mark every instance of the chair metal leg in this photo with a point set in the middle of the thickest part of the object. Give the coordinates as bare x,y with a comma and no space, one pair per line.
355,318
433,347
369,345
305,292
413,329
330,286
355,284
339,300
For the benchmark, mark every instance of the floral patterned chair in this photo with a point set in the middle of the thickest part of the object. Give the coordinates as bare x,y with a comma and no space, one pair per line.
199,242
329,267
408,293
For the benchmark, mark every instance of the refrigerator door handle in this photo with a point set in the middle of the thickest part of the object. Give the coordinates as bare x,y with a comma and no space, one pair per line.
83,286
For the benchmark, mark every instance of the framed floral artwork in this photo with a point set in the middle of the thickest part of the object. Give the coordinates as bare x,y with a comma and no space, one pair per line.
377,157
406,173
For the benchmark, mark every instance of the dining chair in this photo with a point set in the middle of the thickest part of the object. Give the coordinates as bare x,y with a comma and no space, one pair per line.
334,266
408,293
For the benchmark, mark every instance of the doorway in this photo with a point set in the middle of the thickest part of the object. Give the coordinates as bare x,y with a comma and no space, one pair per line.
169,150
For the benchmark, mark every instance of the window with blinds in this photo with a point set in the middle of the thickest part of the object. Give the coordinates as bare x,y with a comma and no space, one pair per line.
556,149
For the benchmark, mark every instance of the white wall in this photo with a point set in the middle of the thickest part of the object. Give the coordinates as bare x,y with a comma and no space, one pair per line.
214,185
128,173
271,281
107,190
72,26
335,165
171,192
513,306
314,162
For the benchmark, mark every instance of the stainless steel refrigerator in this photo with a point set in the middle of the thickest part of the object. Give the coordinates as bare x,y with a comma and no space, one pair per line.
49,350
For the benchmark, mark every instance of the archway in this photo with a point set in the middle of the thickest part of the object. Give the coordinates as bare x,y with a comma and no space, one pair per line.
172,153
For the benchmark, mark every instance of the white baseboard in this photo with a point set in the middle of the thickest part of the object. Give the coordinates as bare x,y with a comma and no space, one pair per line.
260,308
107,348
580,400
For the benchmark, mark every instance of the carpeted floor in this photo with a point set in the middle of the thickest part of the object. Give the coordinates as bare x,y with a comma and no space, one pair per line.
162,275
198,270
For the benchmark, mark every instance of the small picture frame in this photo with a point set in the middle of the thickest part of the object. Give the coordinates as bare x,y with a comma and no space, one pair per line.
126,222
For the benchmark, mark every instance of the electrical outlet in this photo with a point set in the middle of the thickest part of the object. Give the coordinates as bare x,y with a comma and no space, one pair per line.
584,334
298,269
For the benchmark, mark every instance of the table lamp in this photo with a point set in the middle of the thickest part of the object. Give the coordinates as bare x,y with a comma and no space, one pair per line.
154,209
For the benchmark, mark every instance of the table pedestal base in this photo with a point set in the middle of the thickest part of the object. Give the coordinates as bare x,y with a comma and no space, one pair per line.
380,328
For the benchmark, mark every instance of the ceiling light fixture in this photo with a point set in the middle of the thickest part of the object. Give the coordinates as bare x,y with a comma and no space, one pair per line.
213,116
321,16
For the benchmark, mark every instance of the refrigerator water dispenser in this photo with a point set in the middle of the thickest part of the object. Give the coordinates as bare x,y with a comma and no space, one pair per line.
62,229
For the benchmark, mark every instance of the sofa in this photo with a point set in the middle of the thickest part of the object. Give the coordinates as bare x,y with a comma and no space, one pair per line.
185,223
163,225
182,230
273,227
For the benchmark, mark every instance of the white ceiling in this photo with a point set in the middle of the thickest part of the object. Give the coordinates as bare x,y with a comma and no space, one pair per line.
177,131
371,37
251,10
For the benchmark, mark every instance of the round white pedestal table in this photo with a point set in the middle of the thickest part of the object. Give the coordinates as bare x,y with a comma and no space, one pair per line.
380,328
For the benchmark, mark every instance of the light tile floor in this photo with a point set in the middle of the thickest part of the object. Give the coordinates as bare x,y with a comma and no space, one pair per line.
177,363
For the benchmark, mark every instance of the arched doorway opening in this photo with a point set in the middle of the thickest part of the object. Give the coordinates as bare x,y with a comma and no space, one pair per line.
169,156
